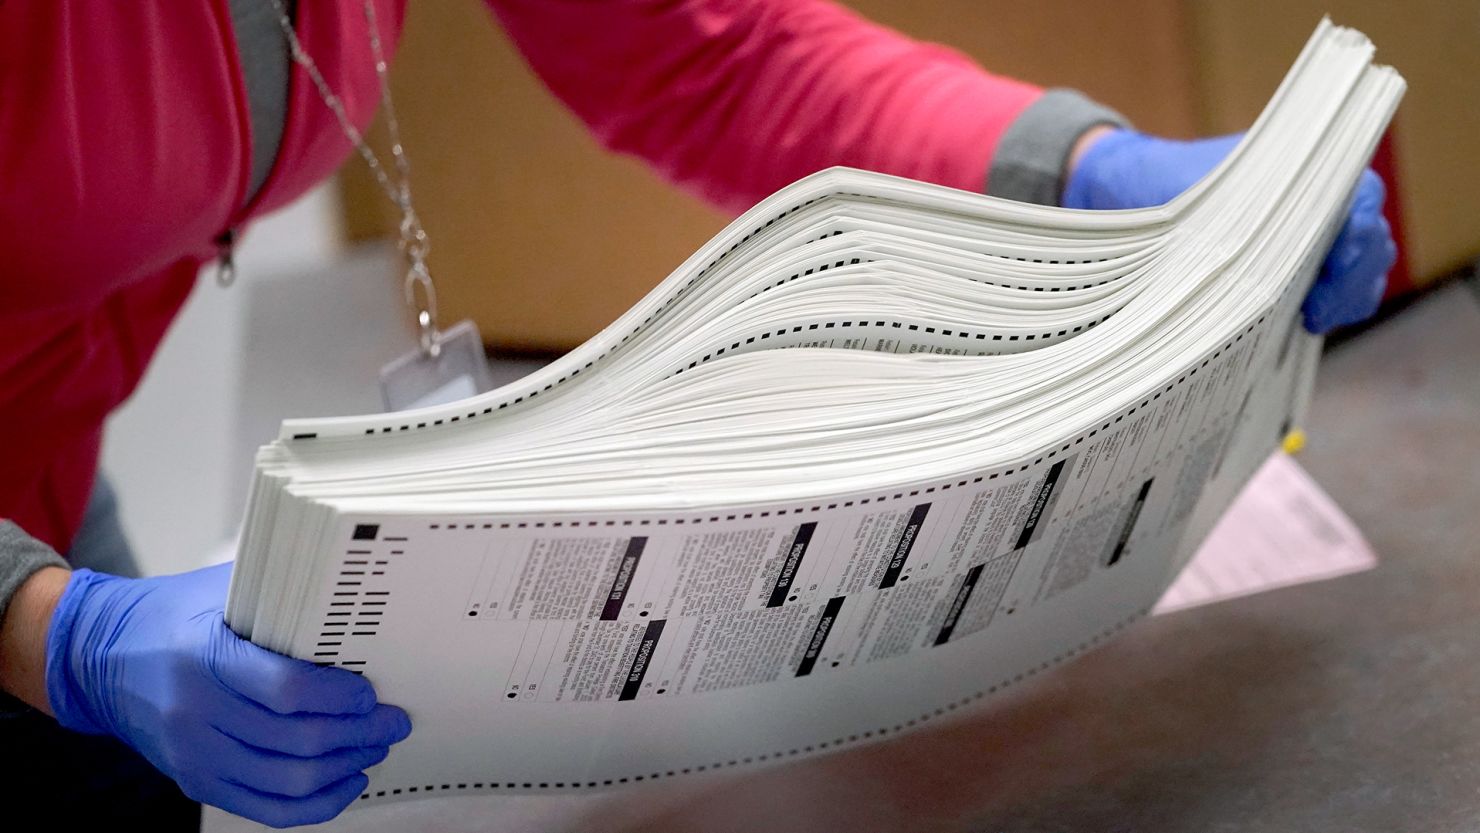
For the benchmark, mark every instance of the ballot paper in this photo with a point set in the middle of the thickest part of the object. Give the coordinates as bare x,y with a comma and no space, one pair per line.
878,450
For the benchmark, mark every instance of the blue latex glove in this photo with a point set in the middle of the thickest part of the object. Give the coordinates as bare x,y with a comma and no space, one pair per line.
151,661
1125,169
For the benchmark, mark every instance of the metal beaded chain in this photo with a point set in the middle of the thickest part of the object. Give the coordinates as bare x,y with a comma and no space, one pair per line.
413,243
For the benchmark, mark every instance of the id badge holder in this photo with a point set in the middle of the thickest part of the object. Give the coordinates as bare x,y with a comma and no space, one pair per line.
458,370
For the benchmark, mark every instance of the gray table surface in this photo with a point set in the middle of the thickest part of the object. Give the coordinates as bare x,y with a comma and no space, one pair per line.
1345,705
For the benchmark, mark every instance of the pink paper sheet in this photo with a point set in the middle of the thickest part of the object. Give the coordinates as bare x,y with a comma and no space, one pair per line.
1281,530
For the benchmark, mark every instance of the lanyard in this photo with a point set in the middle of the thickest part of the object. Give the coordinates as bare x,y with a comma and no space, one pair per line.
420,293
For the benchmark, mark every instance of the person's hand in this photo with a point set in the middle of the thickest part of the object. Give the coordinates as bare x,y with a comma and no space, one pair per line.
274,739
1115,168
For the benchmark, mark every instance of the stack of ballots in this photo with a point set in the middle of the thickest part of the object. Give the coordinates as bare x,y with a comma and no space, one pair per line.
876,451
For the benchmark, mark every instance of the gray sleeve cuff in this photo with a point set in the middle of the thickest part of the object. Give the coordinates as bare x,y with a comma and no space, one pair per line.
20,556
1031,158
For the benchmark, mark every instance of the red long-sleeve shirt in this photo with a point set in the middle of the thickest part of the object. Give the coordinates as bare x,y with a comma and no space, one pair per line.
125,151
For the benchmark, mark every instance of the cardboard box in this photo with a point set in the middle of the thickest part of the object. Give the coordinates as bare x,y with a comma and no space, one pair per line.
544,238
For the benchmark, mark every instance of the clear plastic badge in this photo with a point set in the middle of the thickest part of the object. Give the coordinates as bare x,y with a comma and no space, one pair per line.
458,371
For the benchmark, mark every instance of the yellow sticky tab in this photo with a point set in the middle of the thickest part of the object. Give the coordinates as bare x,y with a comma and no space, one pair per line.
1294,441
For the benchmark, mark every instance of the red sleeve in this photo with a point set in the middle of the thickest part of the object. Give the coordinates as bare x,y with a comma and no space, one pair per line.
732,99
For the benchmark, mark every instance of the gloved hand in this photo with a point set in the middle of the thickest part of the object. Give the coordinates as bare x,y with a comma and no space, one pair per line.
1126,169
274,739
